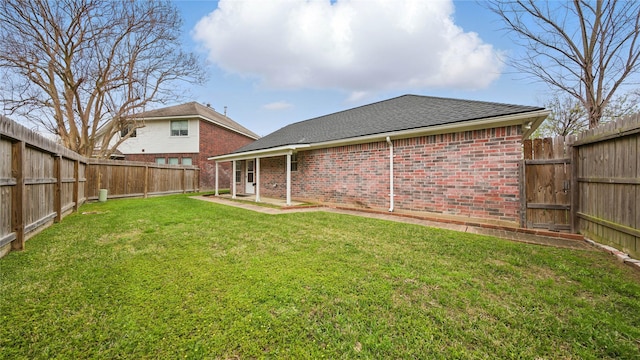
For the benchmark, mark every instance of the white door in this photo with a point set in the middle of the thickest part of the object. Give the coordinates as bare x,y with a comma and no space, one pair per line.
249,188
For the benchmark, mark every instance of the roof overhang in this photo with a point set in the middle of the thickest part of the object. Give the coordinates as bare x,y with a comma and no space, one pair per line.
277,151
529,121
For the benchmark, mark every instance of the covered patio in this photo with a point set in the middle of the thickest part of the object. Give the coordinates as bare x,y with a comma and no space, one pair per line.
246,172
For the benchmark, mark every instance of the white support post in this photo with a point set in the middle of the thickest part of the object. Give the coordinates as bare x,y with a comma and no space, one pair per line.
217,194
233,180
257,179
289,178
391,194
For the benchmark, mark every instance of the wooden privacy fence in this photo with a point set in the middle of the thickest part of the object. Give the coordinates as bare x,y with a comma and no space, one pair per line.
41,182
135,179
607,174
588,184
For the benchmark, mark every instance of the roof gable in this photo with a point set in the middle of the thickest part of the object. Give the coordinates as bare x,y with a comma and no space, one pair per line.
402,113
196,110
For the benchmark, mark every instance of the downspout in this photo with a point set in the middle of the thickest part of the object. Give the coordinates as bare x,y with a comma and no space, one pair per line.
390,173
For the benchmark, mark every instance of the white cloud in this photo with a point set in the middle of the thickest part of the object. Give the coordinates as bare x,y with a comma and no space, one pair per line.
278,105
360,46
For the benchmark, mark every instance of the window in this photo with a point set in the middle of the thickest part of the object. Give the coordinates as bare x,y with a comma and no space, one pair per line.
238,175
294,162
187,161
179,128
126,129
173,161
160,160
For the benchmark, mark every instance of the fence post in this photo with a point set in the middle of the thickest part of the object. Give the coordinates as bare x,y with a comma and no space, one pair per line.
57,187
196,179
18,194
523,195
527,149
146,180
575,192
76,184
184,181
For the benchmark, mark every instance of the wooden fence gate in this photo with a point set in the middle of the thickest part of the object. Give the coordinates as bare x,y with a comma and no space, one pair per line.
547,184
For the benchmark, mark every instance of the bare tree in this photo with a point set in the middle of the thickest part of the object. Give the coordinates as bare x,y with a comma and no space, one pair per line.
82,68
587,49
621,106
568,117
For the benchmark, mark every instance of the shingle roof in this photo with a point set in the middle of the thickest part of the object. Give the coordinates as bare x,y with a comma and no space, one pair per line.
195,109
397,114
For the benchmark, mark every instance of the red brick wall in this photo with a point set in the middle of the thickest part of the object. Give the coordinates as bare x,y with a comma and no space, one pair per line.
471,174
355,175
273,177
214,140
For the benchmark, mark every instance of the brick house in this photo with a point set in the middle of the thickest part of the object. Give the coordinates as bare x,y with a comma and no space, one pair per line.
453,157
187,134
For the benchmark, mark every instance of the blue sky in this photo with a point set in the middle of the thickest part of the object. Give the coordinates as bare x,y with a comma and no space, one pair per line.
272,63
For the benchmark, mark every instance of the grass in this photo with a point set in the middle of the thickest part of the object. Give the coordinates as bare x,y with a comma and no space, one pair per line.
174,277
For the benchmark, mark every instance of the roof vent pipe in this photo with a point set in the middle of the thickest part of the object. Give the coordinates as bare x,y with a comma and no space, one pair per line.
390,173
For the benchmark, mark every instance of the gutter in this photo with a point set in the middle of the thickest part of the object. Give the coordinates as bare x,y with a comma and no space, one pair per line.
390,173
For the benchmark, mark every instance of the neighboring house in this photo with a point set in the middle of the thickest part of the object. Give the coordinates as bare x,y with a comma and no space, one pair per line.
186,134
456,157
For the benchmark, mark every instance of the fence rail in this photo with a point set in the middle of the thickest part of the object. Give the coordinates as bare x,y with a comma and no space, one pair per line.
41,182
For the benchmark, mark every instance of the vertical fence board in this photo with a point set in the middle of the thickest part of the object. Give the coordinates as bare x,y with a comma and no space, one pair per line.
18,195
6,188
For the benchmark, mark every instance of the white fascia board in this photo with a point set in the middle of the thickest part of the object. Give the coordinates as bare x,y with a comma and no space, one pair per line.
535,123
277,151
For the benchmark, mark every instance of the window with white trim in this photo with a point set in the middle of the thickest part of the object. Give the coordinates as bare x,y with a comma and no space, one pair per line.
187,161
173,161
126,129
160,160
179,128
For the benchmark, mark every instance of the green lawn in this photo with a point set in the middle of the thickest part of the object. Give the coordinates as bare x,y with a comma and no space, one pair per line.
174,277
